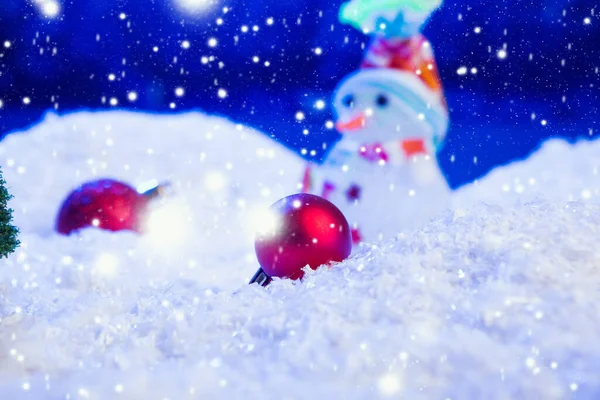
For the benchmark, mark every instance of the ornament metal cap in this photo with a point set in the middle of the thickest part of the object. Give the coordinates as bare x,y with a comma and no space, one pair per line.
158,190
261,278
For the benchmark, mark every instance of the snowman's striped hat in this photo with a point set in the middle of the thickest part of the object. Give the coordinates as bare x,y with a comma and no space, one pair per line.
407,68
412,55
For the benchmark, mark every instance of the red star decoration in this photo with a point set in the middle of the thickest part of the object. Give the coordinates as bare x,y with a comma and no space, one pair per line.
353,193
356,236
328,188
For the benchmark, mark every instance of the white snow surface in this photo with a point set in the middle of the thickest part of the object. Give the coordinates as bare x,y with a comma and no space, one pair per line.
497,299
557,171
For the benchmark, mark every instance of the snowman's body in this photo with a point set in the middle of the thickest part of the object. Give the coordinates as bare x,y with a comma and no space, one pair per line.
382,200
383,174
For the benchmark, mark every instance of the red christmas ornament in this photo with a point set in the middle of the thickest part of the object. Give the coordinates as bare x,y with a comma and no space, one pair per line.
307,230
106,204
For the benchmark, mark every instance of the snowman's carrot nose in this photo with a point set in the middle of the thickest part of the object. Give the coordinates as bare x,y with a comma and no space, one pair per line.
358,122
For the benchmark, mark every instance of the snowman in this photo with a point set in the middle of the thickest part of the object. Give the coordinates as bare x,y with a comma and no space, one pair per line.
383,174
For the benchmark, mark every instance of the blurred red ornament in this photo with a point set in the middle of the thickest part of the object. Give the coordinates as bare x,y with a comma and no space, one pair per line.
106,204
305,230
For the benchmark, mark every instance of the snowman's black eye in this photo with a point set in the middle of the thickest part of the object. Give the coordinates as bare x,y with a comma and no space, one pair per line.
348,100
382,100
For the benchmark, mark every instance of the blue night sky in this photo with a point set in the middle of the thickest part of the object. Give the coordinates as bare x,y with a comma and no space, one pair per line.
260,62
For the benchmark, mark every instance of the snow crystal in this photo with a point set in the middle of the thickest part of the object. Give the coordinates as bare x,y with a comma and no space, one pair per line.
320,104
49,8
497,299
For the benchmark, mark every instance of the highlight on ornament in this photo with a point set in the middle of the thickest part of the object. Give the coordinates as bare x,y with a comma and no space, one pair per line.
168,224
303,230
107,204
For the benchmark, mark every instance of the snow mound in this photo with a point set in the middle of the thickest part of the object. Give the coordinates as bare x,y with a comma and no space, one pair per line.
490,302
223,175
558,171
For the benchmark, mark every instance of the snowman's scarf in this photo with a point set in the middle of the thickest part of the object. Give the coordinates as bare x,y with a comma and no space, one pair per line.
396,152
380,153
374,152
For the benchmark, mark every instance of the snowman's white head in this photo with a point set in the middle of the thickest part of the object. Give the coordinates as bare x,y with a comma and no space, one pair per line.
383,105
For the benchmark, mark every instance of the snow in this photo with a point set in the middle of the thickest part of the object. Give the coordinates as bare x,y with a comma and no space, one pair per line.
558,171
496,299
405,194
221,174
